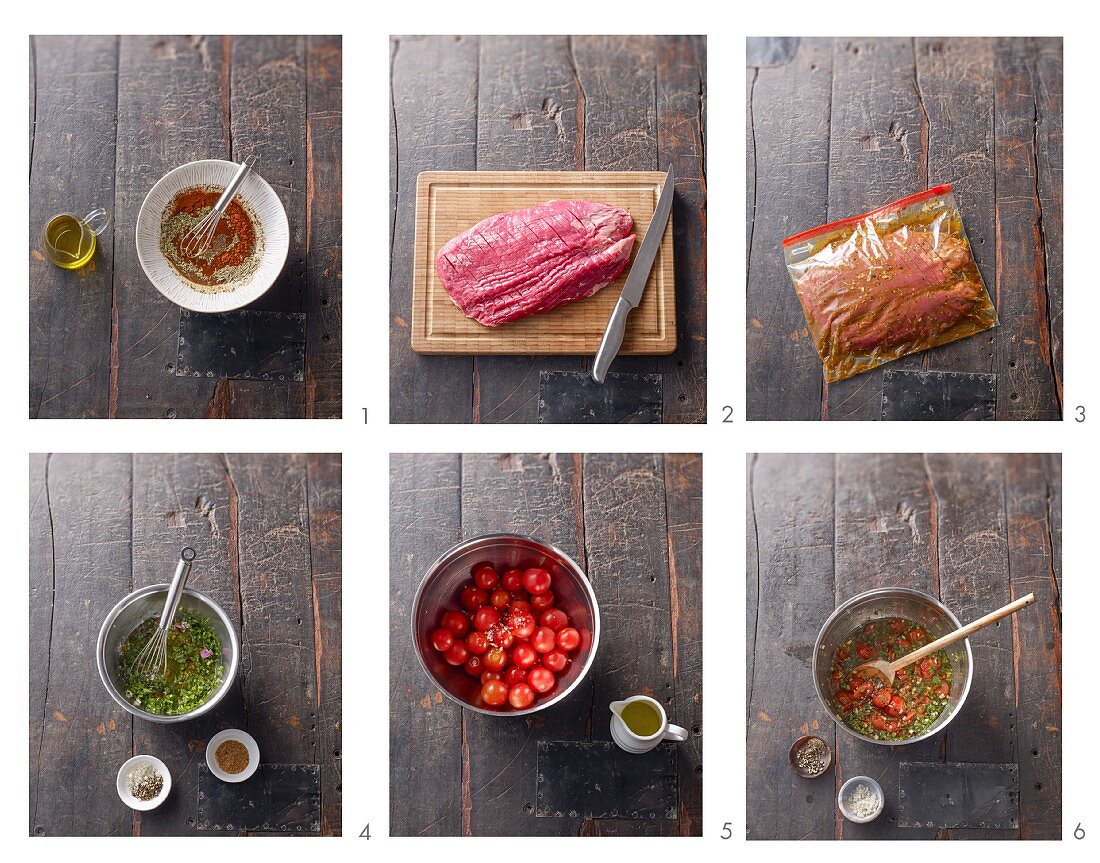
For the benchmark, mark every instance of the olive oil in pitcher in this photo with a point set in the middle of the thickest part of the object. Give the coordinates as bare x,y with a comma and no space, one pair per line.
69,242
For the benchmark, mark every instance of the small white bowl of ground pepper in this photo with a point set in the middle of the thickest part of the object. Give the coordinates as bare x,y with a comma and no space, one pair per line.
143,782
232,755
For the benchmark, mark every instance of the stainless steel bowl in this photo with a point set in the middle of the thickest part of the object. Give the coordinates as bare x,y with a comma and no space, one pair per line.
441,585
148,602
913,605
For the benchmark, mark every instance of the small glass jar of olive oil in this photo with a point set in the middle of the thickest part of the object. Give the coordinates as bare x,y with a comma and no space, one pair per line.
69,241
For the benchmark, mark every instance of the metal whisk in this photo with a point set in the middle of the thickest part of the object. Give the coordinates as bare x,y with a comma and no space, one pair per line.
153,659
198,239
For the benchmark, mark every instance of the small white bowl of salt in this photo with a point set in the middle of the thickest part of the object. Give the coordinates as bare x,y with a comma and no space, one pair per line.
143,782
861,799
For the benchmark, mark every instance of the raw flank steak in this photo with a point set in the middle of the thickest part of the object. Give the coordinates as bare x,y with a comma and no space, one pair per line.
519,263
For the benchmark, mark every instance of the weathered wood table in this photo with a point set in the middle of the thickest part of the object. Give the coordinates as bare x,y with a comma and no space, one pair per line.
633,523
838,127
973,531
109,117
554,103
267,532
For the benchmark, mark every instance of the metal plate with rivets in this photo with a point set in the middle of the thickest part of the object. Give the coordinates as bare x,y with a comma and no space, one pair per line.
242,345
985,796
599,780
573,397
277,798
917,395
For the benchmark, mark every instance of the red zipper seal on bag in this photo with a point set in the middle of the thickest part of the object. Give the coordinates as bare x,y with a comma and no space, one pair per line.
886,208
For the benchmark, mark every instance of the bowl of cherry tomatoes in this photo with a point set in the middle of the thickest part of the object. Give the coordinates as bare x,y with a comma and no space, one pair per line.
505,624
865,616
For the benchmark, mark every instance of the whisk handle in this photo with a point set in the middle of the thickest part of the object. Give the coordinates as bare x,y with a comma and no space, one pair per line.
234,184
175,590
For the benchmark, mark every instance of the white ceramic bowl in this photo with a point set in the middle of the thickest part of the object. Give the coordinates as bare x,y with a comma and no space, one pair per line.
263,201
123,786
249,743
852,783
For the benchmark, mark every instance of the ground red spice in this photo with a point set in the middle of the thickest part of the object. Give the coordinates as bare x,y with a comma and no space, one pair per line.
232,246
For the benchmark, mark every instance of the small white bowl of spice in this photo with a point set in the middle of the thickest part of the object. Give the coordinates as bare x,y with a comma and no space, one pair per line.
861,799
232,755
143,782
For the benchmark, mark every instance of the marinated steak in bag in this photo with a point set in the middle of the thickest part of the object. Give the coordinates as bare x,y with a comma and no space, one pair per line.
889,283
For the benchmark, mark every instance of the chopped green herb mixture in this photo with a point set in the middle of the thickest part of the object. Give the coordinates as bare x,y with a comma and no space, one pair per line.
194,670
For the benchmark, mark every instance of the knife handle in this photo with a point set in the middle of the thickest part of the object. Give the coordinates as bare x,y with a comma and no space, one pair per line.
612,340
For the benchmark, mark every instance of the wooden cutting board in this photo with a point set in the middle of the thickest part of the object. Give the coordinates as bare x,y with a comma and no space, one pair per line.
449,202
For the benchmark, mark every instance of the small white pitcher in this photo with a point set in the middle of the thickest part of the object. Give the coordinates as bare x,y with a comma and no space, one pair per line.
631,742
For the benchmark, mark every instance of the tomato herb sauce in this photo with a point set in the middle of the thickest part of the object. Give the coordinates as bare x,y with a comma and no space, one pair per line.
897,712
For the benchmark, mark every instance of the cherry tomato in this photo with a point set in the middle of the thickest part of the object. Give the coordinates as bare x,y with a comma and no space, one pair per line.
477,643
536,580
442,639
864,651
522,623
943,690
474,666
473,598
916,634
844,699
555,619
881,698
896,706
512,580
500,635
521,696
878,721
843,653
541,679
569,639
513,674
556,661
542,601
519,605
499,598
485,618
524,655
494,692
897,626
543,639
486,676
925,668
486,578
457,654
456,622
494,659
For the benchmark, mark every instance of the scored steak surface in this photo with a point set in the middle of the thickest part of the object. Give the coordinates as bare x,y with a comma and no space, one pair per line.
515,264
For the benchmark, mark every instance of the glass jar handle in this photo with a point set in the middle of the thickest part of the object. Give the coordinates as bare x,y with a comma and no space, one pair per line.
97,220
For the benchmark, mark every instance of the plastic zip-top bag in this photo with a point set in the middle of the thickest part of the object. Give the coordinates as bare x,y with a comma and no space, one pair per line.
888,283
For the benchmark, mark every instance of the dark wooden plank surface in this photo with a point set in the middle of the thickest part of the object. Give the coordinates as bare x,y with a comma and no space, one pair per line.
267,532
110,117
874,120
71,311
634,523
545,103
974,531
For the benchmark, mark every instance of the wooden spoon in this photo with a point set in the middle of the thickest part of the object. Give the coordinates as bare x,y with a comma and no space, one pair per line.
885,671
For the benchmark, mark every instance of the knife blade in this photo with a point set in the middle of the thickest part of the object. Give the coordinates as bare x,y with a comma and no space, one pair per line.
635,281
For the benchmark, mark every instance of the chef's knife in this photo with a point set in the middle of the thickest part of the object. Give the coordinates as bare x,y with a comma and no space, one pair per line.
635,282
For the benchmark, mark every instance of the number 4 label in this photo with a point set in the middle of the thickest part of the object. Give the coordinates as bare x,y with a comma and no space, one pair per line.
365,834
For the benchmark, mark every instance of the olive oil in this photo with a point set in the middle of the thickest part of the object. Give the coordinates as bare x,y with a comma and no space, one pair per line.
641,718
69,242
